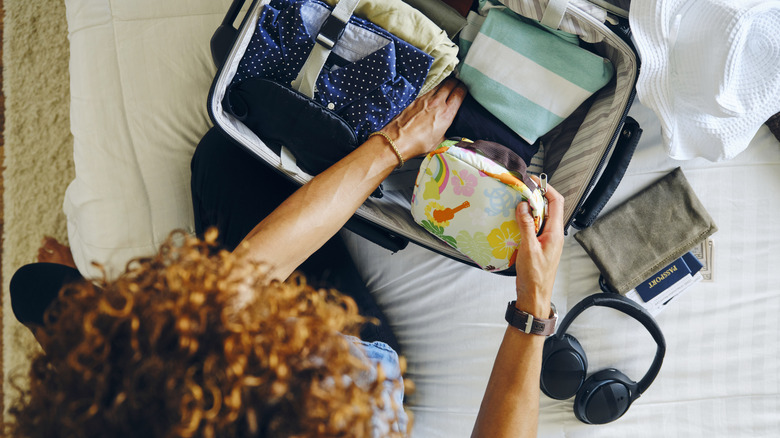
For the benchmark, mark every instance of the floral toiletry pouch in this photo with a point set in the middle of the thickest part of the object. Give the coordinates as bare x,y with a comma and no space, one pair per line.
466,194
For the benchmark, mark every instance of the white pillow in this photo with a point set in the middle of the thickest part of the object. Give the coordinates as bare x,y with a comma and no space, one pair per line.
140,73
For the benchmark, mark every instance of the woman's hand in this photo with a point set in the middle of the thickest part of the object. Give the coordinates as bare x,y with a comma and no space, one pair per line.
510,407
421,126
538,257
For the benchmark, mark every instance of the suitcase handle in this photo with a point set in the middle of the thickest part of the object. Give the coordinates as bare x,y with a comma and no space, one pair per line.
613,174
225,35
376,234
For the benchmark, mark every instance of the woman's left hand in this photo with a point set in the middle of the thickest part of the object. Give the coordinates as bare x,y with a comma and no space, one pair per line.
421,126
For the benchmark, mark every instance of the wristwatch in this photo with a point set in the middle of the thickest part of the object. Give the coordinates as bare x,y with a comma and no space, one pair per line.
527,323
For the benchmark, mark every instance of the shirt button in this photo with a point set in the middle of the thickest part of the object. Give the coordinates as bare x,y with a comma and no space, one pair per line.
331,106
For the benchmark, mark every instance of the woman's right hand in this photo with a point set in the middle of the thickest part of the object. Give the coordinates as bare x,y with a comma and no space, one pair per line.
510,407
538,257
421,126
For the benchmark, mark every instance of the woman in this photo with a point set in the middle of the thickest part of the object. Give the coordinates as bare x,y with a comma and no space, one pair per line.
249,362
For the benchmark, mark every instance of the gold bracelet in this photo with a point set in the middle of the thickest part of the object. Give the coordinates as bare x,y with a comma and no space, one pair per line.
392,145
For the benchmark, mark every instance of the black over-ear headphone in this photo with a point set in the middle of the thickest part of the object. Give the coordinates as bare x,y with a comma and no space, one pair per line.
607,394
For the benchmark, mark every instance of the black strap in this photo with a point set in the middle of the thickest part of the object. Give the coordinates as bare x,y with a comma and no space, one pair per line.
225,35
375,233
613,174
330,32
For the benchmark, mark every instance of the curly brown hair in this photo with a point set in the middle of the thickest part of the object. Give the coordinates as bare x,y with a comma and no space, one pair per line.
196,342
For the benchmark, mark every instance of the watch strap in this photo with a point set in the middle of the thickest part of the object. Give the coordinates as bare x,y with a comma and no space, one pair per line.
527,323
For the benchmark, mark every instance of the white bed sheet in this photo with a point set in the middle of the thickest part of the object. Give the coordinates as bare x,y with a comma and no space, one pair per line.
722,367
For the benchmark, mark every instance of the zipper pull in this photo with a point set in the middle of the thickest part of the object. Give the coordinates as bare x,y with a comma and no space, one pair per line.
543,183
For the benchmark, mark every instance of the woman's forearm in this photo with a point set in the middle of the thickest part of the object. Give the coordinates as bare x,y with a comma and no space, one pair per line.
316,211
510,407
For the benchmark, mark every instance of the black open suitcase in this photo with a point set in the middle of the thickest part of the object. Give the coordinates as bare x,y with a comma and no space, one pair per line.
587,167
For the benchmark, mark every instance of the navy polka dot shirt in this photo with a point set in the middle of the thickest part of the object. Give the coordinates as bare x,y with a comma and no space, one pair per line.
366,93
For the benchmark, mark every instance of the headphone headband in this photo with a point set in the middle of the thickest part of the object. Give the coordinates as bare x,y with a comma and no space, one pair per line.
632,309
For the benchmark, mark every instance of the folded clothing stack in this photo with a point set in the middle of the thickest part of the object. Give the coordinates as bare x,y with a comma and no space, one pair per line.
412,26
370,77
525,74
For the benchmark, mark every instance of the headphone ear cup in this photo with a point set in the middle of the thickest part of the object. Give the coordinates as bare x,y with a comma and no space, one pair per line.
605,396
564,367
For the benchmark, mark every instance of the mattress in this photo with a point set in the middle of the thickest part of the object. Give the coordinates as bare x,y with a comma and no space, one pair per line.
140,74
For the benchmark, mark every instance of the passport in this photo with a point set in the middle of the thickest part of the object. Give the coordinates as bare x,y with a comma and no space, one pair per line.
667,277
692,262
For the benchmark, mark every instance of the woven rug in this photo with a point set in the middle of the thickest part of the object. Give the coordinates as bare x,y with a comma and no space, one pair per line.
38,153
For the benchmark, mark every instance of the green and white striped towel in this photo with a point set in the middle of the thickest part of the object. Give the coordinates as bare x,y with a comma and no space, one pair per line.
528,77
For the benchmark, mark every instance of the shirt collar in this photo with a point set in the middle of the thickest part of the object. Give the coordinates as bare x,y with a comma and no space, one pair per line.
355,80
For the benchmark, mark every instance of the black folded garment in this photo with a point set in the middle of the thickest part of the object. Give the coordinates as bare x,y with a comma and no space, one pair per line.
474,122
316,136
280,116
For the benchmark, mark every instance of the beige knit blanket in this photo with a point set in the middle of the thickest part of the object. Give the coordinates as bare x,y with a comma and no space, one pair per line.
38,153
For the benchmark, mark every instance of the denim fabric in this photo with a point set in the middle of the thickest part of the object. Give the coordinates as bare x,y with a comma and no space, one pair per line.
380,354
370,77
411,25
